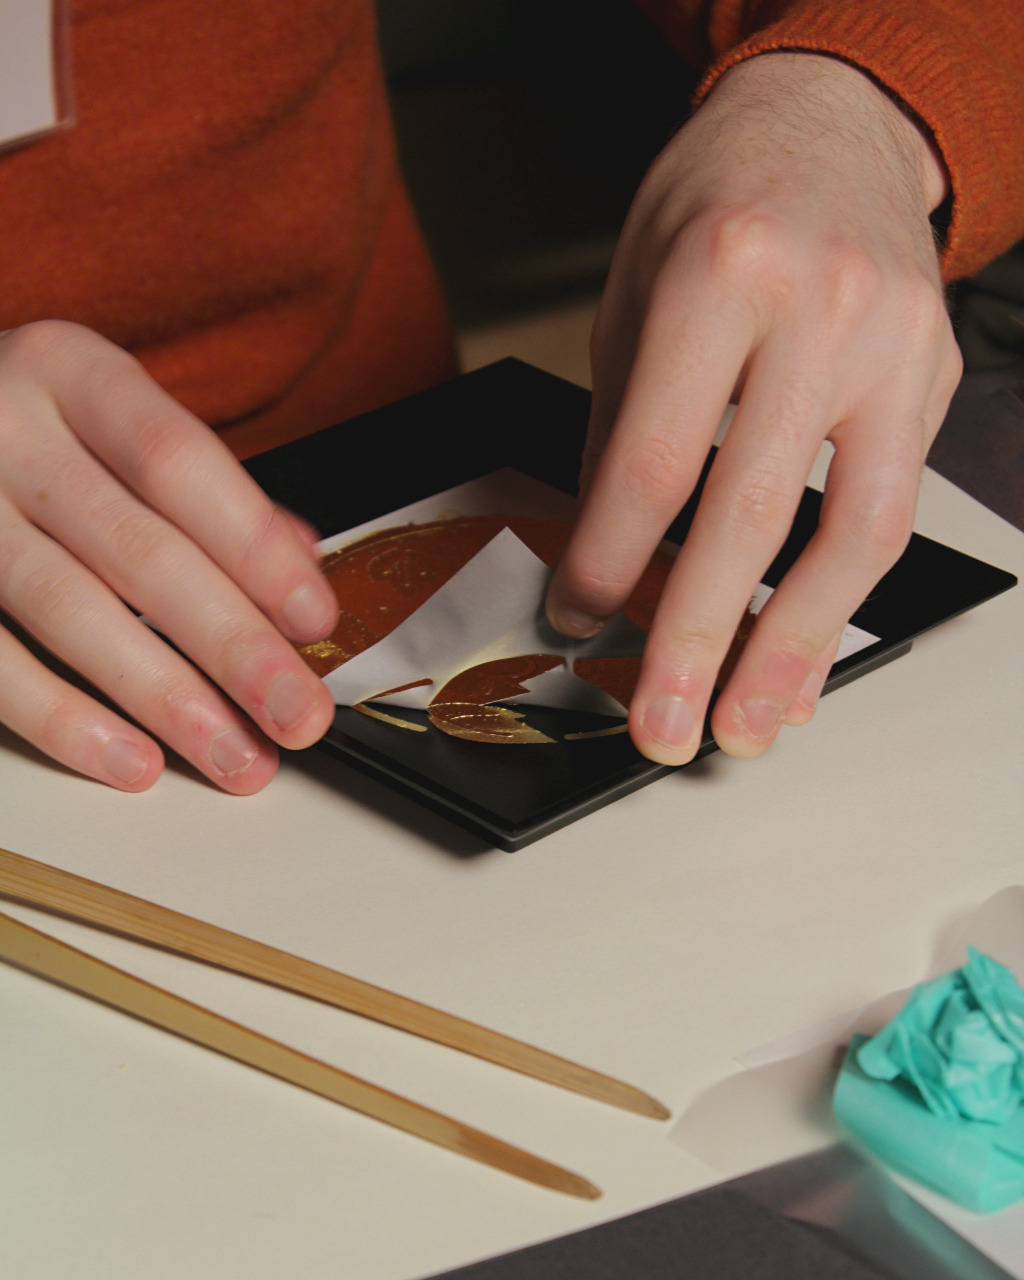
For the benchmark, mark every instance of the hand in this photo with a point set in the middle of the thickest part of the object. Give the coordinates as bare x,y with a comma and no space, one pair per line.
778,254
112,495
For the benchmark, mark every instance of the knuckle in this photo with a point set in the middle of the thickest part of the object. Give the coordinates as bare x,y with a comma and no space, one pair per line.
799,403
599,586
760,504
137,537
39,341
46,599
747,246
953,364
174,703
651,471
180,706
265,540
60,730
740,237
177,715
795,653
852,282
882,526
951,370
241,651
53,601
687,646
921,315
163,456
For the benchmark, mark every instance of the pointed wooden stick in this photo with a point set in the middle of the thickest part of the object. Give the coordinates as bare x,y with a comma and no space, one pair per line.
39,885
37,952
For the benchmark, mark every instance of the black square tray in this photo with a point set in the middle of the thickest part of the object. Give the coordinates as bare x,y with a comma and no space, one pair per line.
513,415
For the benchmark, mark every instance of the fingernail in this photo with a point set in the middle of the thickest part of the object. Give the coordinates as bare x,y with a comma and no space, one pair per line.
233,751
670,721
760,717
289,700
304,612
580,626
125,761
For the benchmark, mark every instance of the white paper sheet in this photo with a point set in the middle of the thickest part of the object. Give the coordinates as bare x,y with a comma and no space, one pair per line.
493,608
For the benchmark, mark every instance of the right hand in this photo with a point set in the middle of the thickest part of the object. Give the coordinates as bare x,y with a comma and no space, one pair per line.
778,255
114,498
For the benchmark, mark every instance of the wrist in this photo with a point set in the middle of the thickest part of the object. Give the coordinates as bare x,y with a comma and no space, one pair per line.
829,85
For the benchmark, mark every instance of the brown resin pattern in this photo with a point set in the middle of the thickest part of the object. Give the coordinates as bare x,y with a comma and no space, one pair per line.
464,709
382,579
616,676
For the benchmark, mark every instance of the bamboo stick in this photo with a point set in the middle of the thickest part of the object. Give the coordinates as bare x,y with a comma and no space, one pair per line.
40,885
41,954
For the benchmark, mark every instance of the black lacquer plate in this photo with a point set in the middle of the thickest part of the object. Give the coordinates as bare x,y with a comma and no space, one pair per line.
512,415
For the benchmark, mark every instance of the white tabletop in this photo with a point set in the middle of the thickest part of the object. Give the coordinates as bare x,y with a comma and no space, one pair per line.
657,940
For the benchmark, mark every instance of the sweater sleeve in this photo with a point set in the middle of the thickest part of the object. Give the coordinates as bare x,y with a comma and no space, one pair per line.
956,64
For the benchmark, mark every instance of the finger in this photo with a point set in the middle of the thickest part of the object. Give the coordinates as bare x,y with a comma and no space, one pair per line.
70,727
866,521
742,520
613,343
82,622
165,575
677,390
309,536
174,463
802,708
867,515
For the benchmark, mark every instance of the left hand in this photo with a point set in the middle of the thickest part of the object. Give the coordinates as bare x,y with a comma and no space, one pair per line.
779,255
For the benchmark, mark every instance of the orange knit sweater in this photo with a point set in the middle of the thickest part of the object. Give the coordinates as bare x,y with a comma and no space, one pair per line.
228,207
227,204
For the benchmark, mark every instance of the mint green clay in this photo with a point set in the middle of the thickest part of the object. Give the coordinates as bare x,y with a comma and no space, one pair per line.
937,1094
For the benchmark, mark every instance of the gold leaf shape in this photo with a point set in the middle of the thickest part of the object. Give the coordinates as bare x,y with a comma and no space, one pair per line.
323,656
479,723
376,714
350,636
598,733
463,707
